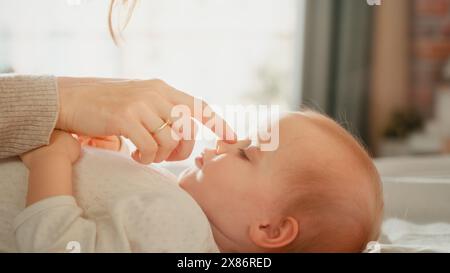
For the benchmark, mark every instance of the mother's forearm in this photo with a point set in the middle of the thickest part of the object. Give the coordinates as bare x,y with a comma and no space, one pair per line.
28,112
50,176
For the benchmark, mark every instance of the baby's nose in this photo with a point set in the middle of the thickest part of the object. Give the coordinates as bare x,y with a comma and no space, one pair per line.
223,147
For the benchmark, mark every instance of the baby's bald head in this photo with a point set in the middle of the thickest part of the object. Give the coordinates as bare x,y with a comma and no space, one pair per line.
329,184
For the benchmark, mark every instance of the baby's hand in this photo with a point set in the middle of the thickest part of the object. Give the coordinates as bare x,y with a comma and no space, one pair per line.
62,144
107,142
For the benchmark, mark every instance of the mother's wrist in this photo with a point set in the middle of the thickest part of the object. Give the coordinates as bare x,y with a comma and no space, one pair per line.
63,84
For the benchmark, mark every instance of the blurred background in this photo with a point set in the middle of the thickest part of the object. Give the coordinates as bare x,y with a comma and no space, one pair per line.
382,71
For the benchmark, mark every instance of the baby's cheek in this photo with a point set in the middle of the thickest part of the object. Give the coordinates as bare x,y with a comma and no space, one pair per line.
210,173
216,172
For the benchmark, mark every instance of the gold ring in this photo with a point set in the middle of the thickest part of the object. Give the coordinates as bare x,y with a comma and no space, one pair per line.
160,128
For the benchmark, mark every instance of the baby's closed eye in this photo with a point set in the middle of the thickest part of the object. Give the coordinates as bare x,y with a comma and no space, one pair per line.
243,155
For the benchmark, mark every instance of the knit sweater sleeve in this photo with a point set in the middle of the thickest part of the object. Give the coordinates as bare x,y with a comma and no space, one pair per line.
28,112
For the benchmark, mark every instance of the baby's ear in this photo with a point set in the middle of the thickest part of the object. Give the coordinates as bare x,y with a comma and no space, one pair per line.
274,235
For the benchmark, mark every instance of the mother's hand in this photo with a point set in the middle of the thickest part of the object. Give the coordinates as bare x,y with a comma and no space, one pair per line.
136,109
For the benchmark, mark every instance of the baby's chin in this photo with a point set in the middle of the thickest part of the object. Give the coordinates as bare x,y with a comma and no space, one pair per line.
187,177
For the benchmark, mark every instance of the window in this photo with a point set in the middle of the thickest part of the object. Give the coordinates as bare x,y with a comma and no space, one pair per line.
225,51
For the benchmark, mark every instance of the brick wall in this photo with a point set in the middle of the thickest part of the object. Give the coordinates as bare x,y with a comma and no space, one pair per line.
431,50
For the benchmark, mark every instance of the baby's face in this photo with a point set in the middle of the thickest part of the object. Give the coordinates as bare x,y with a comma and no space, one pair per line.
241,188
232,183
231,186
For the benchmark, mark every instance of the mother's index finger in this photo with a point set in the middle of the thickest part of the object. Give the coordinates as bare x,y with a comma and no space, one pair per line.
201,111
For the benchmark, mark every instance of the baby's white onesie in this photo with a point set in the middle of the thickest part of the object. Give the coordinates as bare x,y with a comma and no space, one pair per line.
118,206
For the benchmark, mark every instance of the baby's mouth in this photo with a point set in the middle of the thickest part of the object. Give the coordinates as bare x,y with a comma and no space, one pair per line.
199,161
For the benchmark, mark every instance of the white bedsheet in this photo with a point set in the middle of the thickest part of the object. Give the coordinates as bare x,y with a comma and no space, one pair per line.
400,236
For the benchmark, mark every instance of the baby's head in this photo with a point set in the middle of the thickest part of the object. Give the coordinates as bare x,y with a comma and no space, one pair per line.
318,192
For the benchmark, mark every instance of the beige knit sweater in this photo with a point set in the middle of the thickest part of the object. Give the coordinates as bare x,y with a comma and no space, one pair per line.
28,112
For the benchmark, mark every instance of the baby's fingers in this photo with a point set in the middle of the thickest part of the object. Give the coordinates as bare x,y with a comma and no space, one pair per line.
107,143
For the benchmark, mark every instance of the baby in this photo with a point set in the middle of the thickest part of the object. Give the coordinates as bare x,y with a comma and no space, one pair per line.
318,192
